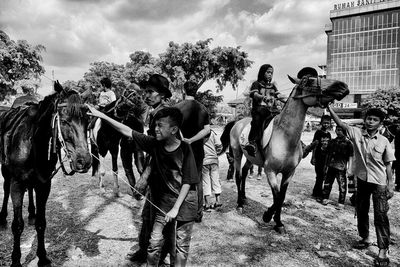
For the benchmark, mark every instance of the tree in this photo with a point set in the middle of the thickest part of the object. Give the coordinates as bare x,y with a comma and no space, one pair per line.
199,63
210,101
141,66
99,70
387,100
18,61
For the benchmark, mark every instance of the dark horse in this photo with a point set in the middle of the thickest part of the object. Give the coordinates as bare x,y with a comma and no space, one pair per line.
32,137
128,108
283,152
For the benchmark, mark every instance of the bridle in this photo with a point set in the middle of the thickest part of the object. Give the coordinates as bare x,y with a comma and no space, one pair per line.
57,141
125,99
312,91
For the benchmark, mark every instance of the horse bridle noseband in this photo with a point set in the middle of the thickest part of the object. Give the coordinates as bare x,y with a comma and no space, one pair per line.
315,91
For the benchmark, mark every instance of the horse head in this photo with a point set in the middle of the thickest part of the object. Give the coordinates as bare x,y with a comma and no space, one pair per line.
315,91
70,128
129,103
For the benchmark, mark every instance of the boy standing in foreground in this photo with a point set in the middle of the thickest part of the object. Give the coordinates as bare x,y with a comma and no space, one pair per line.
172,182
319,154
340,150
373,157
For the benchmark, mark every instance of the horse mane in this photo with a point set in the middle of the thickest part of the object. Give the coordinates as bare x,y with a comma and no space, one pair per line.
139,106
74,104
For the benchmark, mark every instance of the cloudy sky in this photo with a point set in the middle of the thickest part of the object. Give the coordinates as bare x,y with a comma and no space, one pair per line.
288,34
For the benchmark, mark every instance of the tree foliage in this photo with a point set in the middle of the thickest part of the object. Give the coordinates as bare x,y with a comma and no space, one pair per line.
140,67
179,63
387,100
99,70
199,63
18,61
210,101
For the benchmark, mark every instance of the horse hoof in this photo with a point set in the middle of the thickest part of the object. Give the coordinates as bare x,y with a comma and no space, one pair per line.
44,262
267,216
31,220
239,210
280,229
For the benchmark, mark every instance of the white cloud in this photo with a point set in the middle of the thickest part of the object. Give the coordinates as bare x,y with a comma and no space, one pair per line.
286,33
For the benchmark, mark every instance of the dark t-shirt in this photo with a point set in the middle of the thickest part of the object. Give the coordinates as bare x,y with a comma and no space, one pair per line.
195,117
319,134
340,150
170,170
263,89
320,156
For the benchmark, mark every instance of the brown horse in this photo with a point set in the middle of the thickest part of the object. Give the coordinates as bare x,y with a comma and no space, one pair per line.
32,137
283,152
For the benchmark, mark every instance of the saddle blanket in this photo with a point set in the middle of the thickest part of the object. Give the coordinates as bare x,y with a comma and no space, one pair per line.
244,136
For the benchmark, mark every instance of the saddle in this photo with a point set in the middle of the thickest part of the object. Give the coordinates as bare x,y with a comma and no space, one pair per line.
244,139
11,125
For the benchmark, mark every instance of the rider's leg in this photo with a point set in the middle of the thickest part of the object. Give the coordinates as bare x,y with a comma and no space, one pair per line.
258,114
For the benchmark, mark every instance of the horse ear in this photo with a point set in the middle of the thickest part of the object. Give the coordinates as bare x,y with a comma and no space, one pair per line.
294,80
57,87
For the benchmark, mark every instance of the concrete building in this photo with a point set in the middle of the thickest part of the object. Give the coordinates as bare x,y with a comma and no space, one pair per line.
363,47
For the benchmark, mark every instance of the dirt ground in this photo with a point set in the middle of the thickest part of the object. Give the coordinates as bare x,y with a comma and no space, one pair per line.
86,227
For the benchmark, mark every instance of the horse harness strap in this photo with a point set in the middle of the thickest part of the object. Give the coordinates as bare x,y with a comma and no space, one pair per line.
315,90
54,148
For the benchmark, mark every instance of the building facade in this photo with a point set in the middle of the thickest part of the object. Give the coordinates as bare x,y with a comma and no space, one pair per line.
363,46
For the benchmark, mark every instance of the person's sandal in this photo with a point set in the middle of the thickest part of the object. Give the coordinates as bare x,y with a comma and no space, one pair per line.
361,245
378,262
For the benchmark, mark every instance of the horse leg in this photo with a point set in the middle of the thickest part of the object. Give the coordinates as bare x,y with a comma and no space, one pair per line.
142,183
100,174
31,207
3,213
279,227
238,177
139,160
273,183
17,227
126,158
115,173
245,171
42,194
95,160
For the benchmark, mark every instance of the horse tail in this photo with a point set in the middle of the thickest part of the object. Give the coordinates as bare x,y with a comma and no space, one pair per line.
225,138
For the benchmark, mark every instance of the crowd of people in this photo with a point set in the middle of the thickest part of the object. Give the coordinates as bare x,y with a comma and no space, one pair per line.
364,156
183,172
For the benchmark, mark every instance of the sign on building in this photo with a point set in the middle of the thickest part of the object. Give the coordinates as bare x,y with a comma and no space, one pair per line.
344,105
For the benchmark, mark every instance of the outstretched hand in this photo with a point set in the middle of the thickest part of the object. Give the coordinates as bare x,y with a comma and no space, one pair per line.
93,112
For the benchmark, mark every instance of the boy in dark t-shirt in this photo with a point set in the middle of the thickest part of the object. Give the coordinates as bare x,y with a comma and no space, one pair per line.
319,157
172,183
340,150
